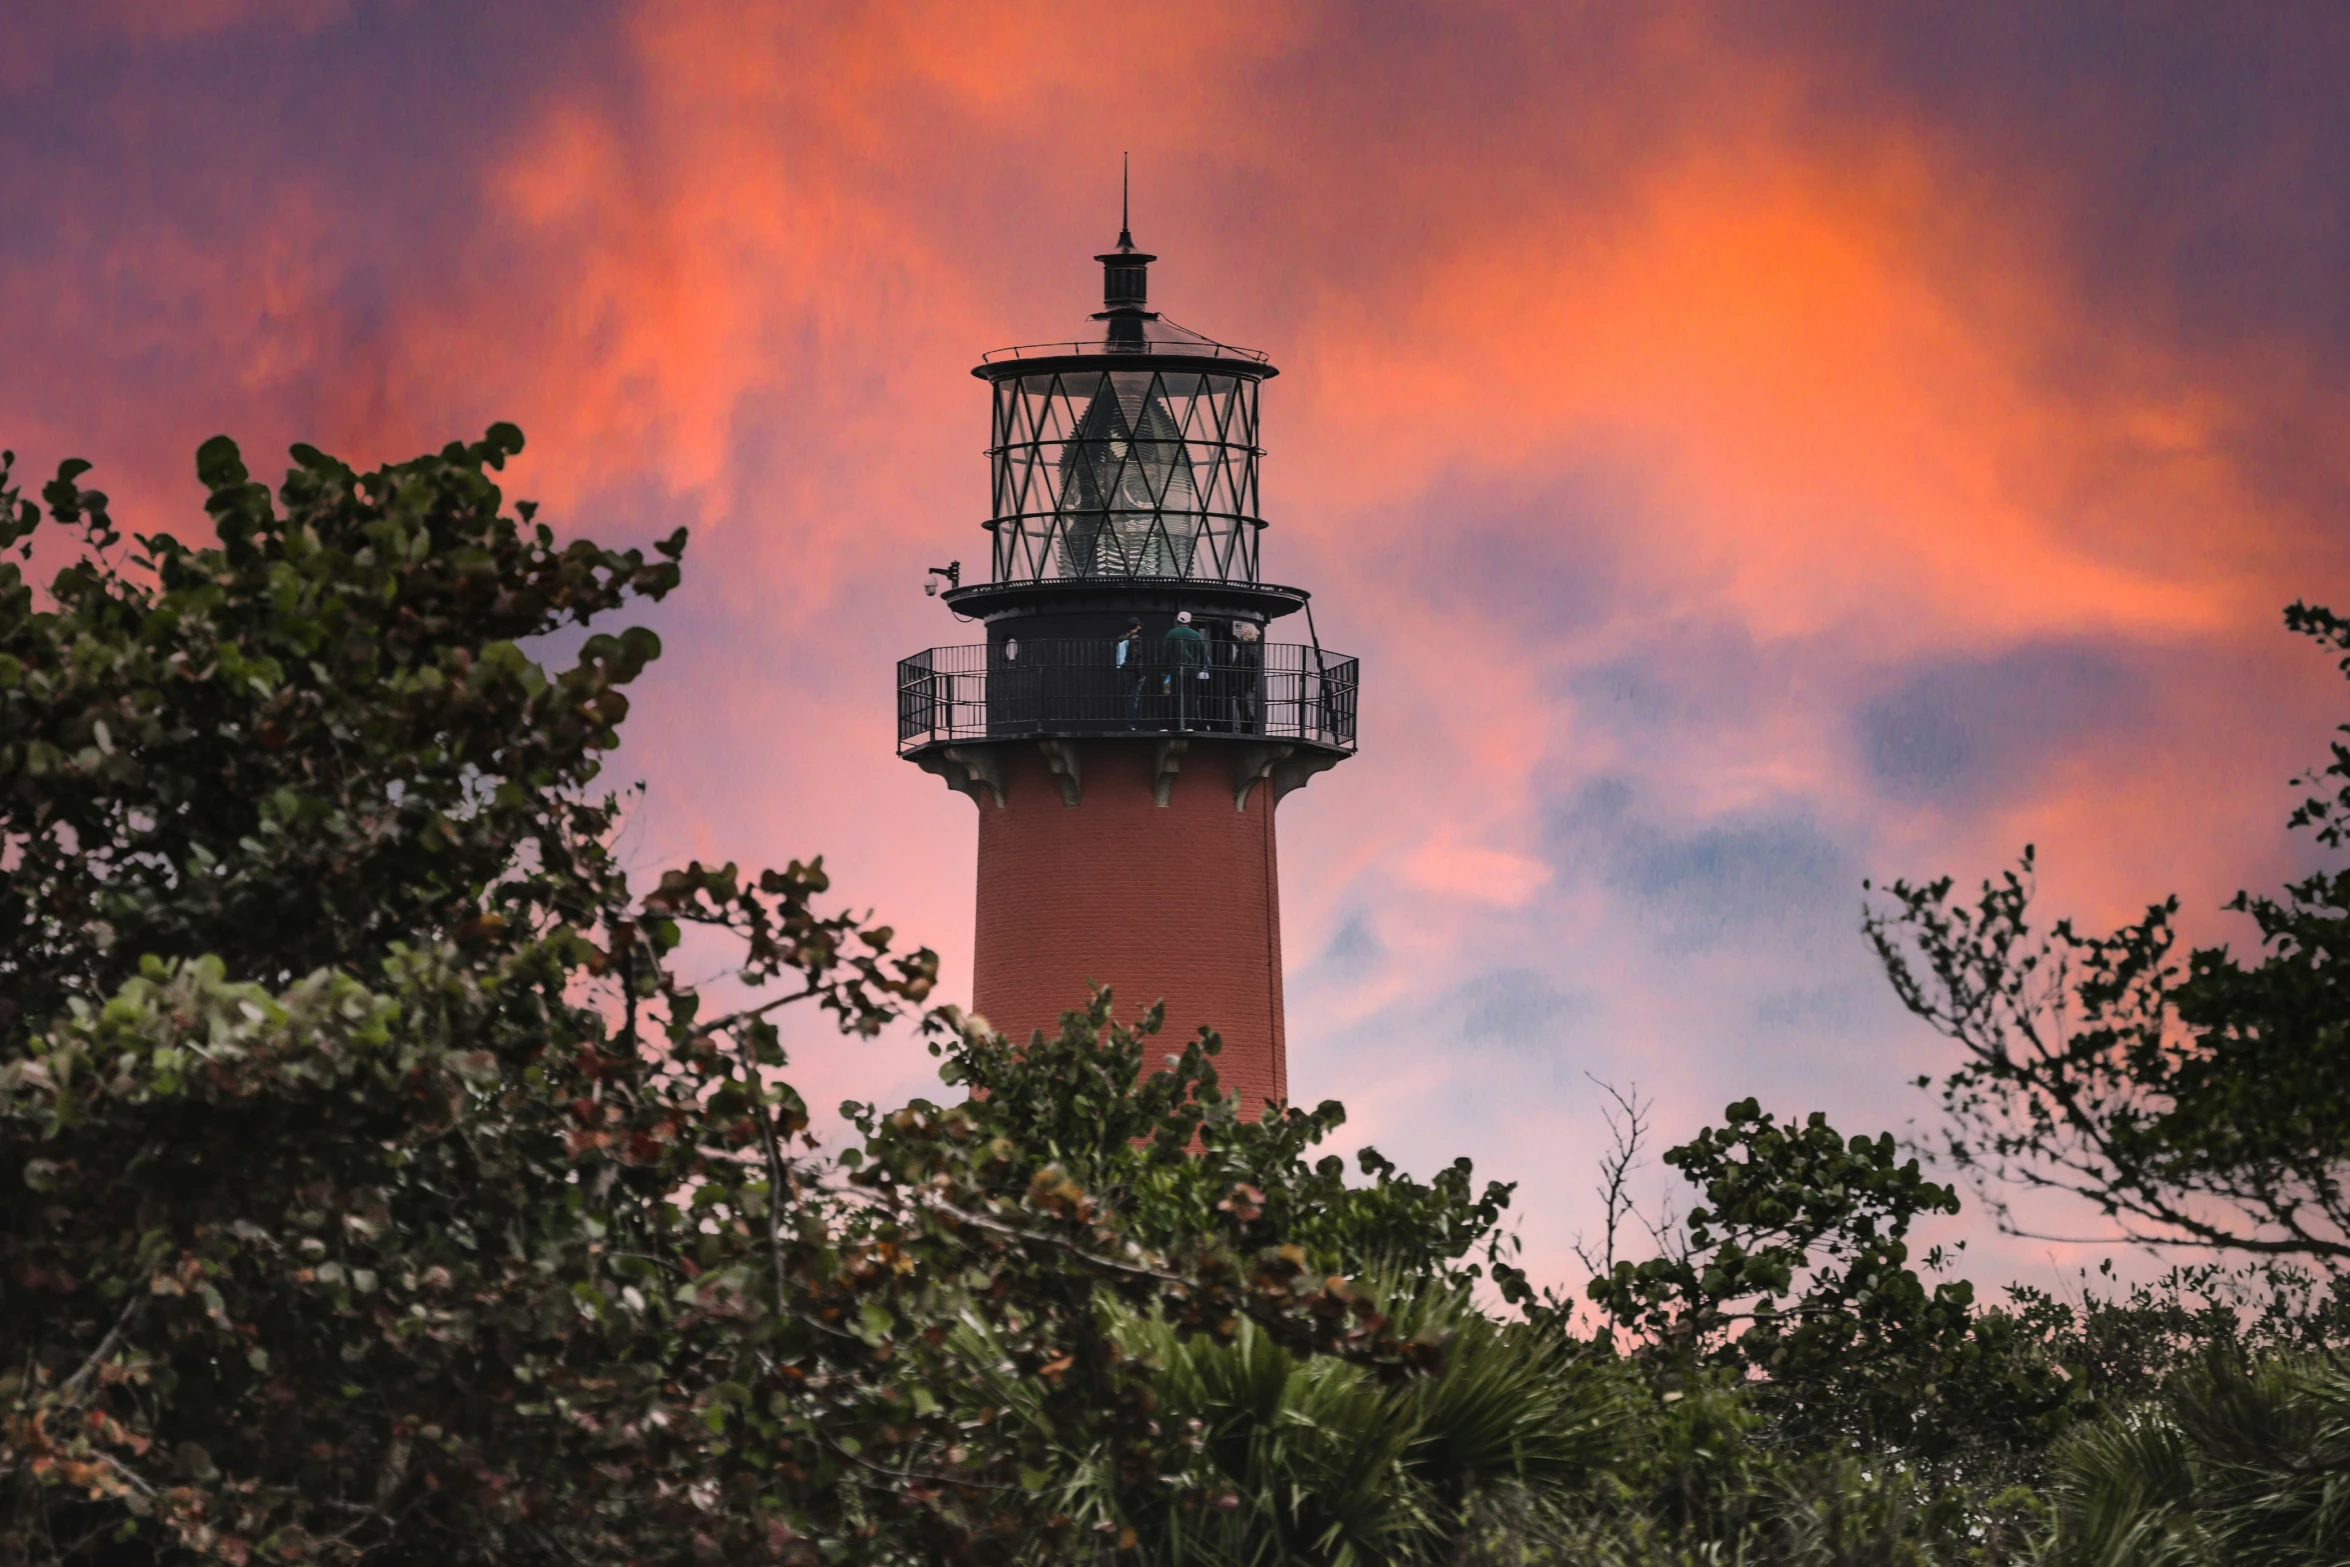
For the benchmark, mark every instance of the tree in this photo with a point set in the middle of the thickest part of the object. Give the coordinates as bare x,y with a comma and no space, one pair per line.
2207,1106
371,1185
1797,1273
1170,1150
317,740
1275,1454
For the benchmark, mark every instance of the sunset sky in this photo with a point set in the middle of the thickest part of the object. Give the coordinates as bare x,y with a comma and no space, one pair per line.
1753,447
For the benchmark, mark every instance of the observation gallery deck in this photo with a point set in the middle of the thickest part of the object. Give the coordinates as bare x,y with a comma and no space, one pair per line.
1022,688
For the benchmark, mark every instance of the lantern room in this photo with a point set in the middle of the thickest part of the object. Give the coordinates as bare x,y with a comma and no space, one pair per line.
1123,506
1130,456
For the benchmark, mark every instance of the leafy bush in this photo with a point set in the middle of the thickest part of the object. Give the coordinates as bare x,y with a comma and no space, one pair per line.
2234,1464
1317,1461
377,1188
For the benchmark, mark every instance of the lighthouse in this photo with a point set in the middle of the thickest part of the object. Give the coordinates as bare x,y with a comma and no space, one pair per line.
1130,701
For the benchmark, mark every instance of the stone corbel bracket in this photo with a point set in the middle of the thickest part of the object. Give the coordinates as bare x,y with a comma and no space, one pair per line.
1166,762
1280,767
968,769
1060,759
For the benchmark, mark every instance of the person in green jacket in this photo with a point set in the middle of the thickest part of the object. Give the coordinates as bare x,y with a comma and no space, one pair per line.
1186,654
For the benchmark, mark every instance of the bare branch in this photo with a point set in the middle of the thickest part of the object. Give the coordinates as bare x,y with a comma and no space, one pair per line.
1627,1126
71,1392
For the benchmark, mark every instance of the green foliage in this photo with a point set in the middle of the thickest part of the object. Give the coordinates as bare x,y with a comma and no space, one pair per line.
1279,1453
1170,1150
2234,1464
1314,1460
2208,1106
312,741
1797,1273
371,1184
1782,1201
2122,1349
1699,1483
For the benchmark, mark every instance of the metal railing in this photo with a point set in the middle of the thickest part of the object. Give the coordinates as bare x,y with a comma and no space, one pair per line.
1186,347
1072,686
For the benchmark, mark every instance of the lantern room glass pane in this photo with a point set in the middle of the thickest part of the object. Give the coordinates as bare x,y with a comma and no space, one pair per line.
1126,473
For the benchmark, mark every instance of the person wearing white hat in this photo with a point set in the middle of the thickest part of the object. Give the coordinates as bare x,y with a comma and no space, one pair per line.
1186,654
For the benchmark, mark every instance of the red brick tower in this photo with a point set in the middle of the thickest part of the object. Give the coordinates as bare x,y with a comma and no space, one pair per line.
1129,724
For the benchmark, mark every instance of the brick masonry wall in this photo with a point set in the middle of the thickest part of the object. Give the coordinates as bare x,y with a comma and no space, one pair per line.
1179,903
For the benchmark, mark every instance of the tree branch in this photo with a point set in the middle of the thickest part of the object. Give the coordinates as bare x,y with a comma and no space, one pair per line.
704,1030
774,1164
71,1393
